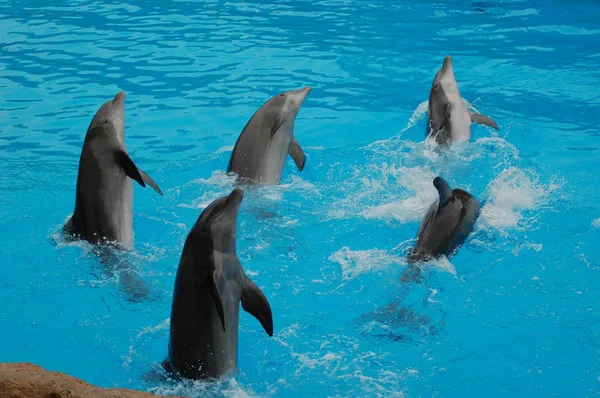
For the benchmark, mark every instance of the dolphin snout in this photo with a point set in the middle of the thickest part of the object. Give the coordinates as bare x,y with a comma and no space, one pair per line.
236,196
305,91
301,95
119,98
447,61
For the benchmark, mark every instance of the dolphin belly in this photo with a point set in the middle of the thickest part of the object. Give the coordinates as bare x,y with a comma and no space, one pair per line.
274,158
460,120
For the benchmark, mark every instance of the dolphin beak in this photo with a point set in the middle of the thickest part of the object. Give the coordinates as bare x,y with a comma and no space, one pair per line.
234,200
302,94
119,100
447,63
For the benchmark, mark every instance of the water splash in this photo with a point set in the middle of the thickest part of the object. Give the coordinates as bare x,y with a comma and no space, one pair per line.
512,194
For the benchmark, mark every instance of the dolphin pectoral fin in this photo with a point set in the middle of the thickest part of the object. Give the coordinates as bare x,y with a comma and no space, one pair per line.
296,152
129,167
480,119
277,123
255,303
146,178
216,295
447,111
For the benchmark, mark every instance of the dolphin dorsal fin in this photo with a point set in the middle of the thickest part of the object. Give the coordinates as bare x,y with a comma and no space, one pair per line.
256,304
444,190
215,292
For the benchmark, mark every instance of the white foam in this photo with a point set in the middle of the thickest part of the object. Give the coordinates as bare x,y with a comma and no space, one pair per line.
510,195
164,325
418,114
228,387
596,223
218,178
441,263
228,148
417,182
356,262
297,183
404,211
527,246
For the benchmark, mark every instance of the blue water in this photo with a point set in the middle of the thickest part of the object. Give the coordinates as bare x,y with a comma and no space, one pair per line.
514,313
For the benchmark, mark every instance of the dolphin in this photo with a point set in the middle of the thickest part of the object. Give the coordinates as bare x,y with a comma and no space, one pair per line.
209,286
449,120
104,193
259,153
446,224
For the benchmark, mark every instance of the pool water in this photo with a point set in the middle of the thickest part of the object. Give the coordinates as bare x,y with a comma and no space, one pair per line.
514,313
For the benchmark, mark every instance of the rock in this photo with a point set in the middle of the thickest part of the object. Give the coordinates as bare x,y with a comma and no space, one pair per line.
26,380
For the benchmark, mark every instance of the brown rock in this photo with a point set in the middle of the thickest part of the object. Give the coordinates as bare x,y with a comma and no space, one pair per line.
26,380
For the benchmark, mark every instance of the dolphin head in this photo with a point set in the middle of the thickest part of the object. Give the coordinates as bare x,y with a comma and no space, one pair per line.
291,102
444,81
219,219
112,111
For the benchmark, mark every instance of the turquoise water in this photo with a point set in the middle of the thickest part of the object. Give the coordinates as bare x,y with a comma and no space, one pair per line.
515,313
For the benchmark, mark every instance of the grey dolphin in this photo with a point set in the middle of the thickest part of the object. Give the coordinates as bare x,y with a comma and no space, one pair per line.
446,224
104,194
259,153
209,286
449,119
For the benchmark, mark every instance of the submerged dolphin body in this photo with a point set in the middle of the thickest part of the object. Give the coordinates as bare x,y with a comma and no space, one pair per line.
259,153
449,119
209,286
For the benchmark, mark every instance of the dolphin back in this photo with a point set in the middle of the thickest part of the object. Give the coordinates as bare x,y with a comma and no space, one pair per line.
445,226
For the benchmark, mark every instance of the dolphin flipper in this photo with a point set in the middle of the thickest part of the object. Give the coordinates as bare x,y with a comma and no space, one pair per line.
447,111
217,279
129,167
133,172
146,178
255,303
277,123
480,119
297,154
